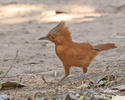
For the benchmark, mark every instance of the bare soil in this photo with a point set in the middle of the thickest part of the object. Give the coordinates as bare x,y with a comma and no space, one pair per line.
22,22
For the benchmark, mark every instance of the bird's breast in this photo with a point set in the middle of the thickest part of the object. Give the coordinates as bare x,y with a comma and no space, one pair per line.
61,52
59,49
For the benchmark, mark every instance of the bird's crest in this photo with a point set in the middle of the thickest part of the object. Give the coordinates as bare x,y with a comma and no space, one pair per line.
57,28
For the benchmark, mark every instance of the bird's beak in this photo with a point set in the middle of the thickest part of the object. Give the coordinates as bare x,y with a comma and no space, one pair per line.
43,38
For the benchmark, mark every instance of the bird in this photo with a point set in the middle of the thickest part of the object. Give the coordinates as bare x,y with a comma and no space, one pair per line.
73,53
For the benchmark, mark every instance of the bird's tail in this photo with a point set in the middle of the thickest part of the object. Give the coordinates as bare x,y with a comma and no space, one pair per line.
102,47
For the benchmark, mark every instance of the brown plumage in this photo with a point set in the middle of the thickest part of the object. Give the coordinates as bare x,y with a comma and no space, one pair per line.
72,53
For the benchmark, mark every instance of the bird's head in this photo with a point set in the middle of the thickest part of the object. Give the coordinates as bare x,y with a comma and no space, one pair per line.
57,34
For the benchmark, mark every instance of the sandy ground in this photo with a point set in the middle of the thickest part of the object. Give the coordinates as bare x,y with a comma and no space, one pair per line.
22,22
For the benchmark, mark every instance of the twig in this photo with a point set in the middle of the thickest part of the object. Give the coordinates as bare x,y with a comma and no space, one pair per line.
10,65
10,76
7,59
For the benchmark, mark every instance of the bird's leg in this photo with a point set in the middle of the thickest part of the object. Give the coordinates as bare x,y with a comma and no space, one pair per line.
66,68
82,76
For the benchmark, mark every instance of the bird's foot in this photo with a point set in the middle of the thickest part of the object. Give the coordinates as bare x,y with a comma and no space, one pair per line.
63,78
82,76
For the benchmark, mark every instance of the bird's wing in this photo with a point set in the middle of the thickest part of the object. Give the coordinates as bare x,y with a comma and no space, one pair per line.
76,53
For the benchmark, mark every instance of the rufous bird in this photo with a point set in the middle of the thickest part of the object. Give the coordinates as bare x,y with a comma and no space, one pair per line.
72,53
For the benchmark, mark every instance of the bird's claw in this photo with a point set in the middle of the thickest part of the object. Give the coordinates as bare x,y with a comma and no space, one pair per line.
82,76
63,79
